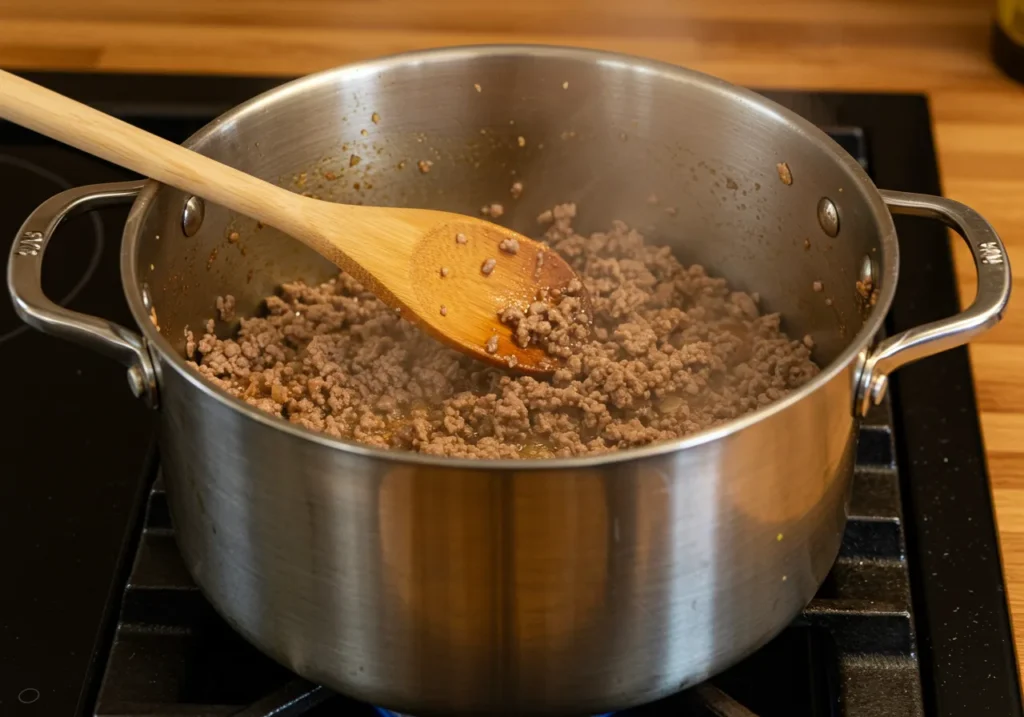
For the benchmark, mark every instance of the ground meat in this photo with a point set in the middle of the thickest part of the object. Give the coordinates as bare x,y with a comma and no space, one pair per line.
672,351
488,266
558,326
509,245
226,307
784,173
865,287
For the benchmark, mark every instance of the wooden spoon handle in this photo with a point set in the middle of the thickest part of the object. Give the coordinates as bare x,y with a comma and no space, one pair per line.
97,133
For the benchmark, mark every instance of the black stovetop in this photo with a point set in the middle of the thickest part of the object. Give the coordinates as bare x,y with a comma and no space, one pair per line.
99,617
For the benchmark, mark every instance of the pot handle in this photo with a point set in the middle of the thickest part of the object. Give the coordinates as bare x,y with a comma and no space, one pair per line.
993,268
24,281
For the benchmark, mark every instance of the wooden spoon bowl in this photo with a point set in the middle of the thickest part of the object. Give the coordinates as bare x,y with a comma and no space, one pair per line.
450,273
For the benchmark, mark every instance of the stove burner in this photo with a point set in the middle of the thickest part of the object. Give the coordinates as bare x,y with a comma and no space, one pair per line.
388,713
10,324
296,698
704,699
716,703
299,698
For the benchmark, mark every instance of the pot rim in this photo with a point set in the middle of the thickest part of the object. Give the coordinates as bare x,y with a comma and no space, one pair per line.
752,102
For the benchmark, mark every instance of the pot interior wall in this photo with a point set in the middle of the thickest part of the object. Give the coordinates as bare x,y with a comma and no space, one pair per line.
678,156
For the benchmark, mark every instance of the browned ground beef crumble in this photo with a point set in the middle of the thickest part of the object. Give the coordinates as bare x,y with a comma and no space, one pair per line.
556,323
673,351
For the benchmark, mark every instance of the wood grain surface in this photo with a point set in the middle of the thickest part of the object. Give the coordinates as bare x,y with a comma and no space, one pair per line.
936,46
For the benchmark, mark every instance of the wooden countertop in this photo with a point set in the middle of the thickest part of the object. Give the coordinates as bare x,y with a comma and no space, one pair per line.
936,46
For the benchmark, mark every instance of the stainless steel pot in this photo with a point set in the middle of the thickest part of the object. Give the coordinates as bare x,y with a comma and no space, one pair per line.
511,587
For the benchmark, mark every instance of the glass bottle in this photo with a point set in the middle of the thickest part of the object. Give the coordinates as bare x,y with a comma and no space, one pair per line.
1008,38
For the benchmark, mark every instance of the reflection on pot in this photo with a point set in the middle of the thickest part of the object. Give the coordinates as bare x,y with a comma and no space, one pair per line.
531,568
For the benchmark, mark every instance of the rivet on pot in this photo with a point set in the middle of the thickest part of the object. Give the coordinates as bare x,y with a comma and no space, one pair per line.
192,216
828,216
879,386
136,381
147,299
868,271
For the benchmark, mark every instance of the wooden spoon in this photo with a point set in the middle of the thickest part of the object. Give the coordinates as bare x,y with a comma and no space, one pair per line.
412,259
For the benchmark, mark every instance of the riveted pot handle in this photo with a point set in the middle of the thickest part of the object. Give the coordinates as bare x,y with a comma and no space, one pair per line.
993,268
24,281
